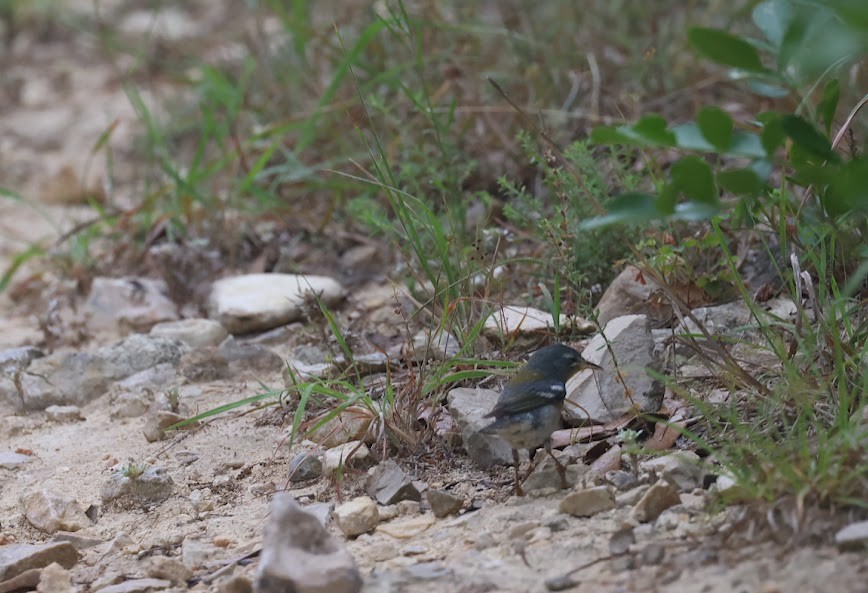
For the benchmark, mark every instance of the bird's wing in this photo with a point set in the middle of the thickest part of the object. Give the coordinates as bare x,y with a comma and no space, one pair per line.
523,397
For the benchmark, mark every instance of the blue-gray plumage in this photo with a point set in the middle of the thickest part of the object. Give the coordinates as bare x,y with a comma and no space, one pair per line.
528,410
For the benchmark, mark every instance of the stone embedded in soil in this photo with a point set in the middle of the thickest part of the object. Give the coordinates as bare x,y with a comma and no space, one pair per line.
351,424
629,294
588,502
545,474
13,460
681,468
203,365
137,586
599,396
170,569
434,345
237,583
467,407
407,527
299,555
514,320
158,421
352,453
853,536
257,302
79,377
130,405
18,558
152,486
195,333
305,466
389,484
126,304
656,499
51,512
357,516
63,414
444,503
54,579
255,358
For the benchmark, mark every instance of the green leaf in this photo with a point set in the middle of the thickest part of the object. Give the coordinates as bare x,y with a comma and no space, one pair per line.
694,211
725,48
829,104
772,136
767,89
716,126
848,188
806,136
690,137
772,17
742,182
626,208
654,129
693,177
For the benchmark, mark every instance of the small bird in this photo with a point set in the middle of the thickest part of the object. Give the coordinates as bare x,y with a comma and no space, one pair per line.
529,408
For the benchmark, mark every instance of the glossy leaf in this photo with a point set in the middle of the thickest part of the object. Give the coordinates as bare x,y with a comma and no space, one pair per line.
725,48
626,208
806,136
716,126
693,176
742,182
829,104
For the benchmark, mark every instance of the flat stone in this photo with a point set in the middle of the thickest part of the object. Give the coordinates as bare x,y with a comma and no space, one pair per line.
54,579
299,555
444,503
467,407
357,516
170,569
511,321
257,302
407,527
126,304
137,586
681,468
588,502
853,537
63,414
195,333
601,397
657,499
50,512
18,558
352,453
351,424
305,466
12,460
152,486
389,484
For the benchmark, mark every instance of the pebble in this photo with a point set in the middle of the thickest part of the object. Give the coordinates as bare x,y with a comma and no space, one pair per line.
357,516
588,502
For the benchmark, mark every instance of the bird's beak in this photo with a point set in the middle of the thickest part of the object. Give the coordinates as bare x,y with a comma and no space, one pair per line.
584,364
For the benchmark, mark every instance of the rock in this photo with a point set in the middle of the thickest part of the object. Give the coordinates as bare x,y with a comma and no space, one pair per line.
16,559
152,486
628,294
599,396
545,474
50,512
26,581
299,555
170,569
204,365
155,378
622,480
681,469
305,466
351,424
128,304
257,302
434,345
853,537
389,484
79,377
137,586
63,414
237,583
357,516
408,507
652,554
407,527
54,579
657,499
12,460
158,421
250,357
588,502
352,453
443,503
621,540
467,407
194,554
19,358
427,571
81,542
321,510
731,319
130,405
195,333
513,320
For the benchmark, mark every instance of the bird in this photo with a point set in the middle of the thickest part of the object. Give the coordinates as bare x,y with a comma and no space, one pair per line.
529,408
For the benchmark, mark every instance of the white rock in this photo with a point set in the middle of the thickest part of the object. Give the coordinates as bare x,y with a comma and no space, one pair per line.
348,453
357,516
257,302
